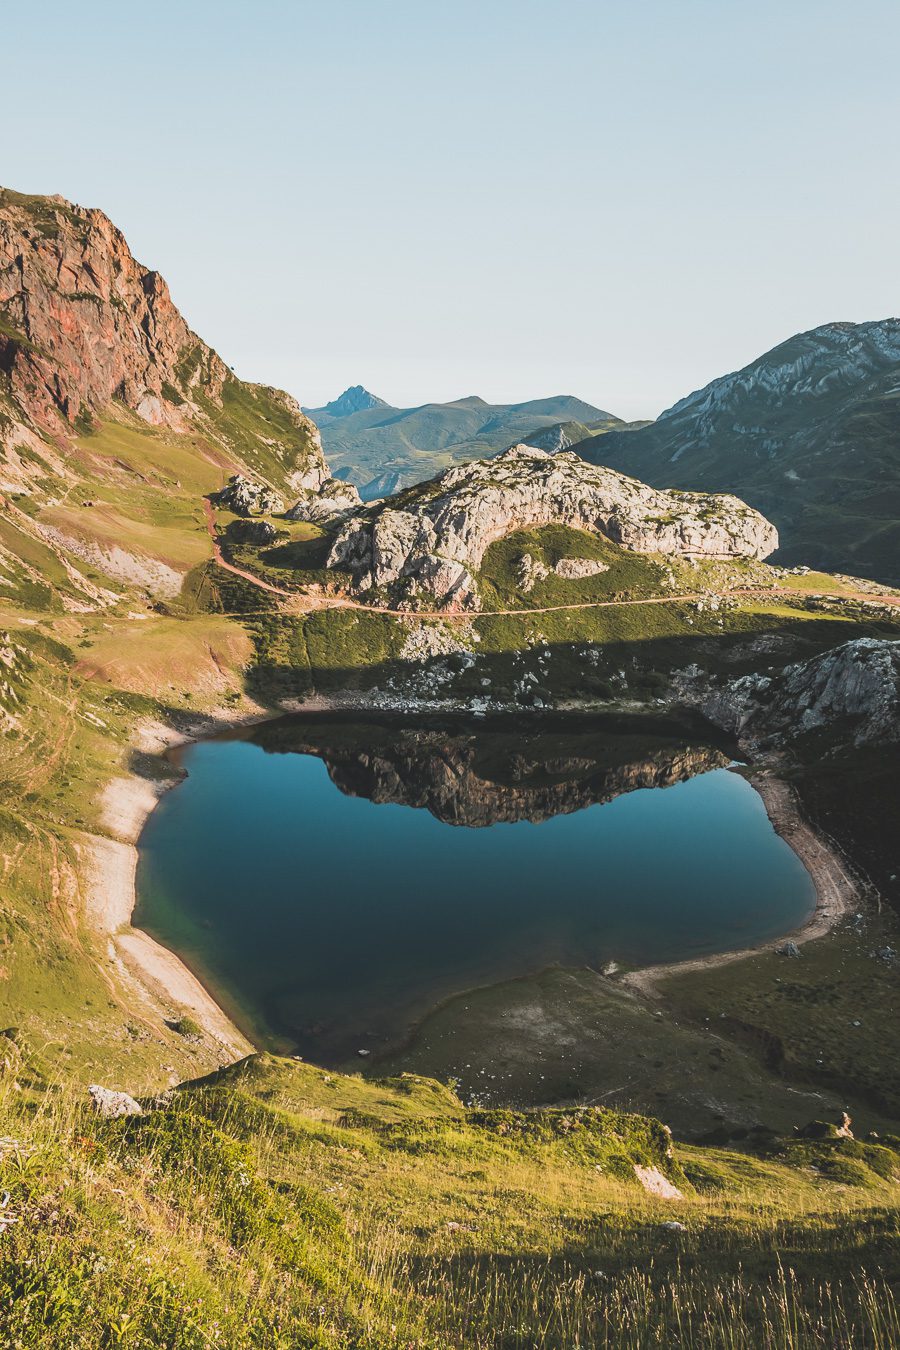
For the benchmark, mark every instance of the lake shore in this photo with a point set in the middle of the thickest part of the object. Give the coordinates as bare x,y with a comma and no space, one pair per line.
838,891
169,989
161,981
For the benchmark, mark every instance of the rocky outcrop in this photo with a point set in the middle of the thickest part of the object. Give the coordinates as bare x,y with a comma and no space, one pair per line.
111,1105
854,689
576,569
334,497
427,545
245,497
83,325
257,533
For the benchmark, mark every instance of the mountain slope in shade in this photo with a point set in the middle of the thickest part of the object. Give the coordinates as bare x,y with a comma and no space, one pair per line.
809,434
378,445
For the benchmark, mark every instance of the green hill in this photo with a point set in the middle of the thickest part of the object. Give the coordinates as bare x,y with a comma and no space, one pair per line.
380,448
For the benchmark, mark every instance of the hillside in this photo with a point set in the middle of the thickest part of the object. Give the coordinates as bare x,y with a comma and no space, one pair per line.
490,1188
380,448
809,434
276,1205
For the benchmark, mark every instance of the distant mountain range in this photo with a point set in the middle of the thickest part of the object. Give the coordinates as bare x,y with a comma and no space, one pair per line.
809,434
381,448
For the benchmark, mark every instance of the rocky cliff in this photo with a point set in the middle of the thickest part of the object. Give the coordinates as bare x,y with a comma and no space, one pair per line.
852,690
84,325
427,544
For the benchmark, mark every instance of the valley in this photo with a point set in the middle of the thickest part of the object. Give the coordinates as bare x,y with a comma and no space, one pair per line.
472,675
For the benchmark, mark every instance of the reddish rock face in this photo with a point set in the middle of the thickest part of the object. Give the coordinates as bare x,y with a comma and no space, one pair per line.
83,325
96,324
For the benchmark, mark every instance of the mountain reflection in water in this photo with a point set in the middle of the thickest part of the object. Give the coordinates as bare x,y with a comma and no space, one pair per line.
333,879
482,776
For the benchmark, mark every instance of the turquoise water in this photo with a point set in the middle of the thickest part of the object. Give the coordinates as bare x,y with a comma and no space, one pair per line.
327,922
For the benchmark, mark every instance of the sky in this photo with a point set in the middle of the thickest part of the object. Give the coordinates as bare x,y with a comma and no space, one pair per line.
617,199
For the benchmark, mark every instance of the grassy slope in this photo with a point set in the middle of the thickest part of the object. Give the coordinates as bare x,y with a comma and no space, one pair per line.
276,1205
286,1206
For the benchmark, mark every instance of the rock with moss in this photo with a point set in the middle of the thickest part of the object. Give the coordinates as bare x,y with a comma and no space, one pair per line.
331,498
246,497
426,546
257,533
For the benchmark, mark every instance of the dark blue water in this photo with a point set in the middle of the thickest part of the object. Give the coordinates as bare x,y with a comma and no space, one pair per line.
327,922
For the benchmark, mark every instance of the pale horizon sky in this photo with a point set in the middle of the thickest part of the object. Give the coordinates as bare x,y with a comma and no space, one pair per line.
513,198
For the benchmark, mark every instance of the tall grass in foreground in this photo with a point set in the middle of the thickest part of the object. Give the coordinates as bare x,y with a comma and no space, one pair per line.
221,1221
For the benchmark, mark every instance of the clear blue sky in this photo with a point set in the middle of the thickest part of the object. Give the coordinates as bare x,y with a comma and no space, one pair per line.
510,197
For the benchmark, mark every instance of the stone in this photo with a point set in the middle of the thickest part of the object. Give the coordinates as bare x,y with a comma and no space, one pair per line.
111,1105
255,532
574,569
855,687
247,497
529,571
428,543
331,498
654,1183
788,949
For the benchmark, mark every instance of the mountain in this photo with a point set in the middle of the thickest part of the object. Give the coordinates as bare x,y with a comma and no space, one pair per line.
353,400
382,448
86,332
809,434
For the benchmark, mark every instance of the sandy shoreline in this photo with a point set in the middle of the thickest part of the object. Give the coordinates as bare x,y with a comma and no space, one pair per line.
838,892
165,983
160,979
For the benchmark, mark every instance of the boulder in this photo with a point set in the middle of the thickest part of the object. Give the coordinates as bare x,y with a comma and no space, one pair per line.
111,1105
245,497
574,569
255,532
333,498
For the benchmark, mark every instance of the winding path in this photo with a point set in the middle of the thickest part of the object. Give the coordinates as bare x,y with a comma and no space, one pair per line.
466,616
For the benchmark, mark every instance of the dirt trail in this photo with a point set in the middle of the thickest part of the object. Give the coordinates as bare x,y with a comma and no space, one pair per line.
308,603
230,567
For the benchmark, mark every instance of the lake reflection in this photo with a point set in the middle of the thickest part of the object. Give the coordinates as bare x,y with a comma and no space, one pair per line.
333,879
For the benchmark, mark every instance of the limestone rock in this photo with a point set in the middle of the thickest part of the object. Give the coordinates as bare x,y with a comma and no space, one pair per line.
856,685
111,1105
529,571
333,497
248,498
574,569
429,542
259,533
654,1183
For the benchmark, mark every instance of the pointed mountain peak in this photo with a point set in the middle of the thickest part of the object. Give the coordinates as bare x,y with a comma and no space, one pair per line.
353,400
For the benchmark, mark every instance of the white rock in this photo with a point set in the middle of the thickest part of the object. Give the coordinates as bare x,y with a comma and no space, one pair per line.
432,540
111,1105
